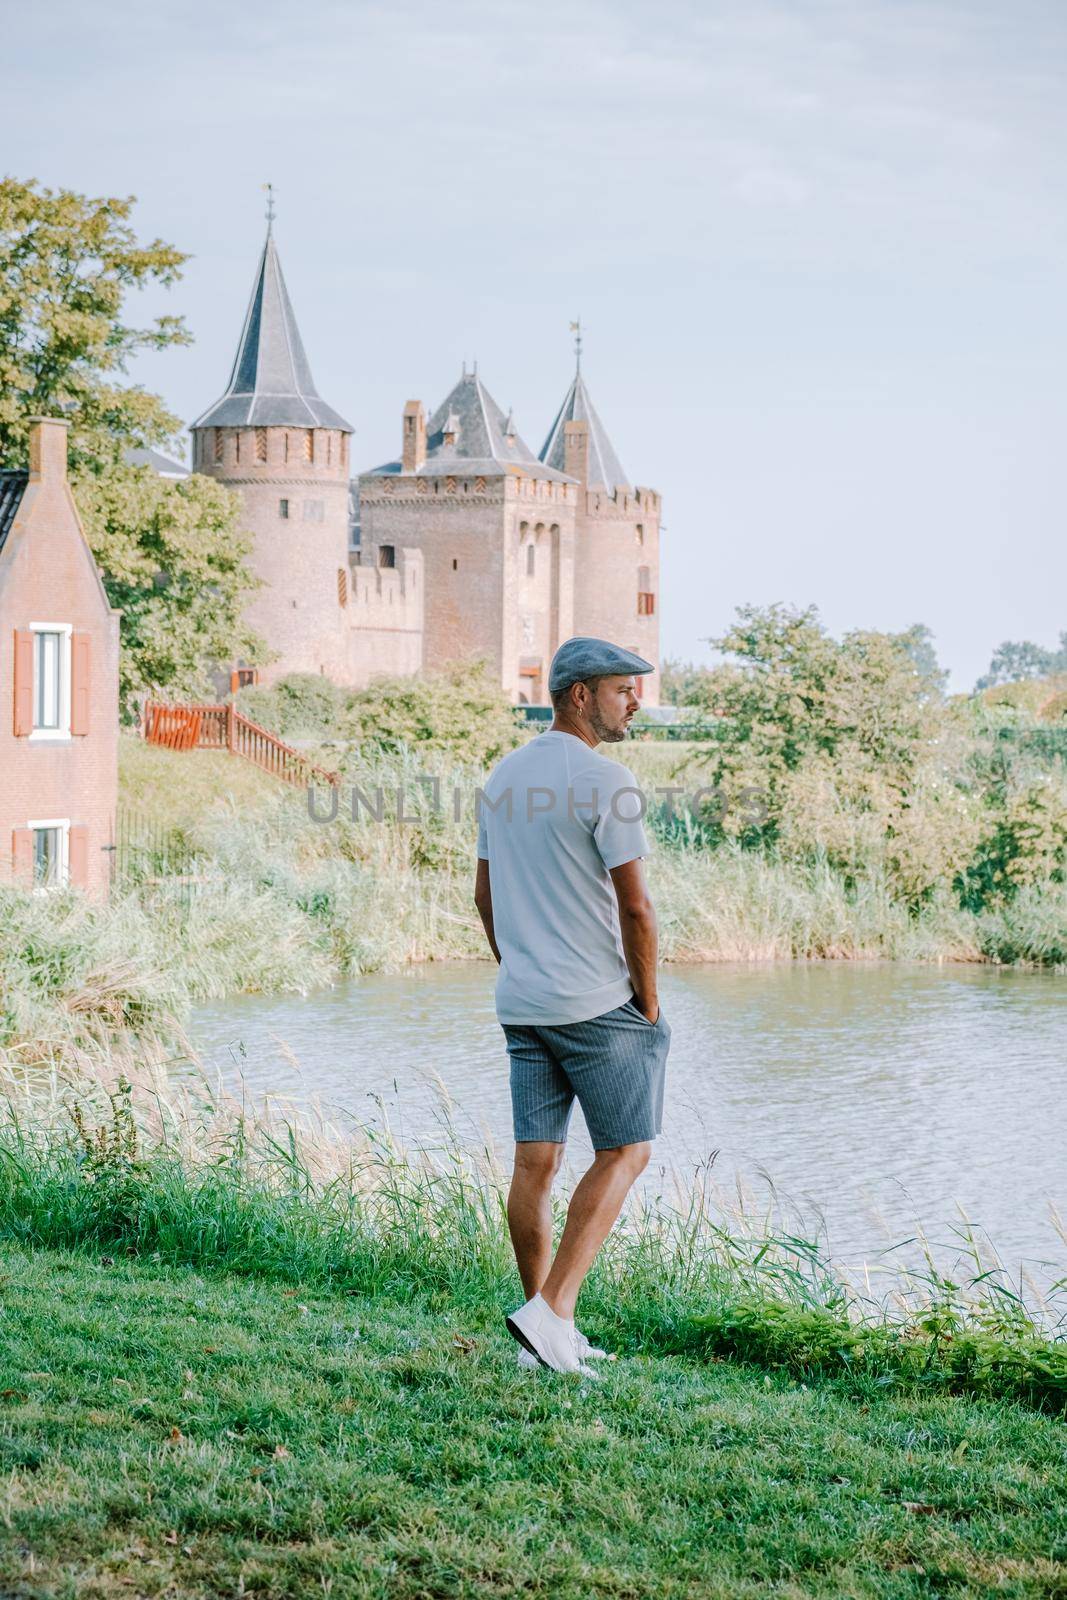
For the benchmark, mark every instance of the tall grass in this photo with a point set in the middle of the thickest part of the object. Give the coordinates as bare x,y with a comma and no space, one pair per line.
173,1169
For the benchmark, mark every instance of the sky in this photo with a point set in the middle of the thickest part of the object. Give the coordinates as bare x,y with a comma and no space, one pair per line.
818,248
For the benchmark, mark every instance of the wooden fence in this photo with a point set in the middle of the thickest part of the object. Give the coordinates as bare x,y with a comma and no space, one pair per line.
223,727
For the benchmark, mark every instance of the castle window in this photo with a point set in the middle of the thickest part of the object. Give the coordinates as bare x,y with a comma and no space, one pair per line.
314,511
218,445
455,564
329,448
646,603
531,559
285,452
236,444
309,444
342,587
640,533
283,510
386,555
261,444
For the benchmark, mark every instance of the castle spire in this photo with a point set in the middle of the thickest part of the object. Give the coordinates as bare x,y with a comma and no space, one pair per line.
271,383
605,468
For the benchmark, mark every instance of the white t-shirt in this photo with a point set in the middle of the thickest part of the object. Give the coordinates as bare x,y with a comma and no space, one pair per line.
554,818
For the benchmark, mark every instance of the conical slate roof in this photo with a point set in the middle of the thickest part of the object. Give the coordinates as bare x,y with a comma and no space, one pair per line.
271,383
479,433
478,424
605,469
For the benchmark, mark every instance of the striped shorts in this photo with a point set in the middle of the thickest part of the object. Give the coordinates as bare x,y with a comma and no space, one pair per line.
614,1066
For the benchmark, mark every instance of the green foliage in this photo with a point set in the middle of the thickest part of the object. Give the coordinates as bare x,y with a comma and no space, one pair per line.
109,1158
681,683
1015,661
832,742
457,713
171,553
304,705
987,1353
1025,845
66,264
173,560
918,643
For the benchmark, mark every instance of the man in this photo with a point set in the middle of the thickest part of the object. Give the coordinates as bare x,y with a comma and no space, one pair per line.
561,893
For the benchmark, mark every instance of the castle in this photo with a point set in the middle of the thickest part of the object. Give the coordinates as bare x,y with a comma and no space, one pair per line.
466,545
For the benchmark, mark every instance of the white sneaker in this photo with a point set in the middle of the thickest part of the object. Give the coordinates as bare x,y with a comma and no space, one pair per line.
586,1352
549,1338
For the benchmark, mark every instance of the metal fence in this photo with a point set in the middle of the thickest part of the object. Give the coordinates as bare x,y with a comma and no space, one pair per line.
147,854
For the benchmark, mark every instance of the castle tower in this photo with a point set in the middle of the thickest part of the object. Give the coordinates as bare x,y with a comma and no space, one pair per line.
495,527
616,535
275,441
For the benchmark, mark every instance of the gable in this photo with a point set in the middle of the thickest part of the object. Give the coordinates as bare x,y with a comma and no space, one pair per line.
43,544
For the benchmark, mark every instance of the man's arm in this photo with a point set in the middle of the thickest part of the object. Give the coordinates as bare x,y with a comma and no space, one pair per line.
483,899
640,937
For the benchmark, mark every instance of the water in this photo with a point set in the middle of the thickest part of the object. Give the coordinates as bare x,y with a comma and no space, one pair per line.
873,1097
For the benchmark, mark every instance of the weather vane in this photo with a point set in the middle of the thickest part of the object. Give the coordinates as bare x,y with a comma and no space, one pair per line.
576,329
270,205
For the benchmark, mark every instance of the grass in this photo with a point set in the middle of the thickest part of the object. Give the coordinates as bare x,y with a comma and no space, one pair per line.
168,1431
246,1354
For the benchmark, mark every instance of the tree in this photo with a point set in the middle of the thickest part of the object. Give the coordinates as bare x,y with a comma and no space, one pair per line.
1015,660
683,683
918,643
170,552
174,563
827,748
66,265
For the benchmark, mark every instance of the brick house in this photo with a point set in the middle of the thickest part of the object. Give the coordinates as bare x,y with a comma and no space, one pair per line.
59,643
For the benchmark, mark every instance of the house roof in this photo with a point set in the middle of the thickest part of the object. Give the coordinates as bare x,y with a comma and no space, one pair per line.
12,487
271,383
161,464
480,435
605,468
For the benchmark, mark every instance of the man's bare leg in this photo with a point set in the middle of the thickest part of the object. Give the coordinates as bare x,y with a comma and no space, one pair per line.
530,1210
595,1205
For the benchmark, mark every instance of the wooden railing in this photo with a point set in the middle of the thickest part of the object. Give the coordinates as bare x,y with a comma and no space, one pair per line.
223,727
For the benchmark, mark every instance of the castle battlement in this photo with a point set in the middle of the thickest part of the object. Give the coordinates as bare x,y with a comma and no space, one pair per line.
622,502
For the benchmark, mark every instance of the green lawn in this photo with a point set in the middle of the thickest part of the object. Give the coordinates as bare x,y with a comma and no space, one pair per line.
167,1432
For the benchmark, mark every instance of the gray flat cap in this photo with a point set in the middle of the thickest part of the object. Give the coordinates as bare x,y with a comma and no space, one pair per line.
581,658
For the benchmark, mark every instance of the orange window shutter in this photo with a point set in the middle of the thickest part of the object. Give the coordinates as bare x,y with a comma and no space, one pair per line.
81,645
78,856
22,856
23,682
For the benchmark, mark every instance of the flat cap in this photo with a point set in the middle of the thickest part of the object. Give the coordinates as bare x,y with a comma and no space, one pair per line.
581,658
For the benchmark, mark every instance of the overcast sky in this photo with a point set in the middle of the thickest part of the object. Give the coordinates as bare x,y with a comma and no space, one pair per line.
819,250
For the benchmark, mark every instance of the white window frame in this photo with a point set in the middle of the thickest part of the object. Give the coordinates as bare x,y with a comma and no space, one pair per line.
62,734
63,824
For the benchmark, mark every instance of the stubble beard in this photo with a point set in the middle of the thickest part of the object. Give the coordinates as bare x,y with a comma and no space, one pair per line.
607,732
